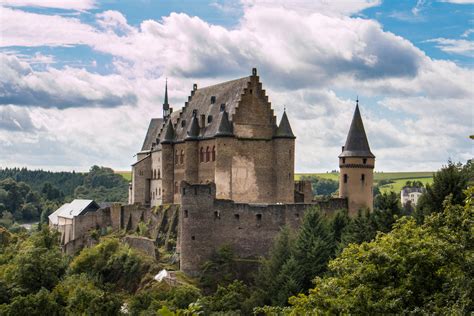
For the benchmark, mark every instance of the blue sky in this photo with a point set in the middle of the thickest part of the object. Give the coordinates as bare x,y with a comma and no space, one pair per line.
81,79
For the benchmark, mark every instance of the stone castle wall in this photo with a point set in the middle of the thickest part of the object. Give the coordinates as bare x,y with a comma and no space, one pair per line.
206,224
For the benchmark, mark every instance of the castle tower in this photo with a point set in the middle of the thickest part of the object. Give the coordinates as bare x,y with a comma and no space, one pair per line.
284,153
191,162
356,165
167,157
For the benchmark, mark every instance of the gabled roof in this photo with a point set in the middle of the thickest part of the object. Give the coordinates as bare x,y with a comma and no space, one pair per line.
194,129
73,209
284,129
152,133
356,142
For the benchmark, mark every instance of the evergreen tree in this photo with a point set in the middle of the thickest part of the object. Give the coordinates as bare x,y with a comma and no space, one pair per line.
313,248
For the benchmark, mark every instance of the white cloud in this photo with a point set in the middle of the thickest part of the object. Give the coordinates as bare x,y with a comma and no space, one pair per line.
68,87
455,46
419,123
458,1
79,5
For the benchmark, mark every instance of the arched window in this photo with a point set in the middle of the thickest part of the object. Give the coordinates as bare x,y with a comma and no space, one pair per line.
159,175
213,153
208,154
181,158
201,155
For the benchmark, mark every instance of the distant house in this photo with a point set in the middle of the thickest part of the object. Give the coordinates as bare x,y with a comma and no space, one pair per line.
411,194
62,218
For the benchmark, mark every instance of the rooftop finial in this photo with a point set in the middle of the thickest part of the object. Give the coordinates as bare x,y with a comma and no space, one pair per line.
284,108
166,106
357,101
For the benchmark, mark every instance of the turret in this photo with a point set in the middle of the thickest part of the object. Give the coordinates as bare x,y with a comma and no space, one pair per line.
356,164
284,149
167,158
166,106
191,150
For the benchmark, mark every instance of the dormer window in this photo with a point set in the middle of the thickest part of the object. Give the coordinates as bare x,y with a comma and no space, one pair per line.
209,119
213,99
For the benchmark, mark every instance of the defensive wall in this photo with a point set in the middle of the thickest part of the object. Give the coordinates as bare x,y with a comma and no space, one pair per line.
207,223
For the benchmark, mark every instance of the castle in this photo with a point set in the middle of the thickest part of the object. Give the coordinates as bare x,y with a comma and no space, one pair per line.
228,165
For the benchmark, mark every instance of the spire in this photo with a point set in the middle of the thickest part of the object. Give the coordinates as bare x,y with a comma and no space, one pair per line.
224,128
169,133
284,129
166,106
193,130
356,143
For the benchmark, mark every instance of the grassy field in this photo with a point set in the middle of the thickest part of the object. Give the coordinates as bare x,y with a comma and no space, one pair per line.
400,178
126,174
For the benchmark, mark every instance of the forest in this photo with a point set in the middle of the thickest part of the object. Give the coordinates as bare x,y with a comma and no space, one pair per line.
31,195
393,260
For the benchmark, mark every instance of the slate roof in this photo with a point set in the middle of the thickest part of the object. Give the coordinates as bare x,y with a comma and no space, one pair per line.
152,133
284,129
75,208
228,93
356,142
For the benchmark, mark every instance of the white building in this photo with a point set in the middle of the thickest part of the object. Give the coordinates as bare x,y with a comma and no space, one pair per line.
409,194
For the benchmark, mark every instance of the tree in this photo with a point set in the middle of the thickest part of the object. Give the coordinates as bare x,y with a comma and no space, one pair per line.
425,269
451,179
40,303
313,248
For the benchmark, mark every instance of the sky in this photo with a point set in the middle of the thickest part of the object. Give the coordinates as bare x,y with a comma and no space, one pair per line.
80,80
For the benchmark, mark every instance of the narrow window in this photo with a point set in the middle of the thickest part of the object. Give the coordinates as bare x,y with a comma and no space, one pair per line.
343,160
209,119
159,175
185,213
259,218
203,120
237,216
181,158
297,215
345,178
159,191
183,123
217,215
201,155
213,153
250,91
176,157
364,161
193,238
362,177
208,154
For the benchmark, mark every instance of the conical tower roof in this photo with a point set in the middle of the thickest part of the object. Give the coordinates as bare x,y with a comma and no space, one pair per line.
284,129
356,142
166,105
224,127
169,133
194,129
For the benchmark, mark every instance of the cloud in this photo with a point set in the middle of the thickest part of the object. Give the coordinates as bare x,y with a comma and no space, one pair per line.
68,87
16,119
467,33
458,1
418,121
79,5
454,46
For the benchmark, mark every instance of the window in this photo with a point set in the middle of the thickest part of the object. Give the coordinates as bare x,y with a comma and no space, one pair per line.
343,160
217,215
289,176
364,161
193,238
297,215
345,178
159,175
186,213
209,119
201,155
362,177
213,153
176,157
237,216
181,158
154,174
203,120
176,187
259,217
208,154
183,123
159,190
250,91
152,195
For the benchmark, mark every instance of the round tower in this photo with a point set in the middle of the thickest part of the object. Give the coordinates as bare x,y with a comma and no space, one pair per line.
356,168
284,166
167,158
